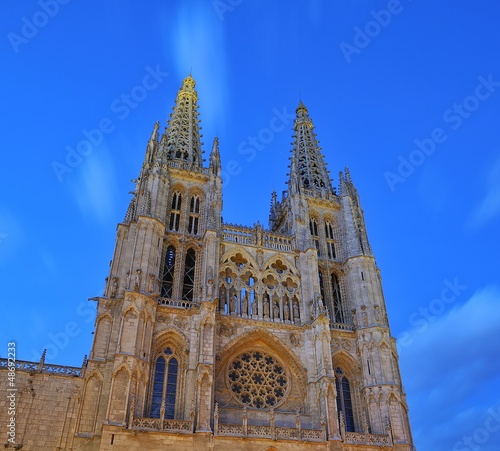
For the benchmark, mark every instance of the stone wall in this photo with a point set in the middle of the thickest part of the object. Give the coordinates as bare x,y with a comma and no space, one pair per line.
46,406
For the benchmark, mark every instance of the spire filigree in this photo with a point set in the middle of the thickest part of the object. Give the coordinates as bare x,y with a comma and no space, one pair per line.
308,168
183,138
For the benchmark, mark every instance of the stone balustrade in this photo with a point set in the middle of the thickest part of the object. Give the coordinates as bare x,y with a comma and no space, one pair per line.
155,424
256,236
357,438
62,370
180,303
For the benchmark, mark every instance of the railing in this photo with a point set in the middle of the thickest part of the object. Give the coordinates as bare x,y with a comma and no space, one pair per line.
62,370
237,430
183,426
243,235
187,166
278,242
321,194
356,438
179,303
256,236
342,326
268,431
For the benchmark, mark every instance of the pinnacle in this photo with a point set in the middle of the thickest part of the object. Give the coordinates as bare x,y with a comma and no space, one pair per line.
301,106
188,83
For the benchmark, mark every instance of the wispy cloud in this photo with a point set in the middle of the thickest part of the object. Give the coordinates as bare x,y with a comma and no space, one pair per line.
489,207
442,368
196,41
94,188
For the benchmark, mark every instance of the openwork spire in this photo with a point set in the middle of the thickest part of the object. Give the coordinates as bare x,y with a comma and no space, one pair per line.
183,132
308,169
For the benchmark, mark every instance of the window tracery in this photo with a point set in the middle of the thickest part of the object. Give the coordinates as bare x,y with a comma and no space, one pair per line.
257,379
330,241
165,385
313,226
338,311
270,295
189,272
194,215
167,287
175,212
344,401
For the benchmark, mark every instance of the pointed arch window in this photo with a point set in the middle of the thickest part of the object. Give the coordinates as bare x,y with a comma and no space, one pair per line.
189,267
344,401
175,213
167,287
321,284
338,311
330,243
165,385
194,215
313,226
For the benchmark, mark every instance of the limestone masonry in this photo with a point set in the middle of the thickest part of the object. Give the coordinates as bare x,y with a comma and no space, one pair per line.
218,336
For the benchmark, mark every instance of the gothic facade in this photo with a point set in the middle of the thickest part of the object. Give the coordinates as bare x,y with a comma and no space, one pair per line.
218,336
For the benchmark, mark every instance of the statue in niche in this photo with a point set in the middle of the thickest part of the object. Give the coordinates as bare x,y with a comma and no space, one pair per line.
354,318
128,280
210,275
258,232
114,288
232,304
244,304
319,303
260,257
296,311
376,313
137,279
151,287
255,307
276,310
364,315
286,311
266,308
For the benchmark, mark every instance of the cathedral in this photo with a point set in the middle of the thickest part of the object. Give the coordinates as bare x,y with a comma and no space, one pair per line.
220,336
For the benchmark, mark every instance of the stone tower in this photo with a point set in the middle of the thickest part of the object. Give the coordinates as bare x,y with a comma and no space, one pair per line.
220,336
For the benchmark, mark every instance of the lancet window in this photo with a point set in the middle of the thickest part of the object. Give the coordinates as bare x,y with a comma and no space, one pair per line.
164,394
194,215
167,288
313,226
344,400
338,310
330,243
175,212
189,272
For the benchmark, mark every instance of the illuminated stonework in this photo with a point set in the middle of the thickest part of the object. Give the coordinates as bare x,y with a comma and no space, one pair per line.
221,336
258,379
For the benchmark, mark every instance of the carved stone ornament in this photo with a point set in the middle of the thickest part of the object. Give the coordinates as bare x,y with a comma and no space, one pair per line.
226,330
295,339
181,323
166,319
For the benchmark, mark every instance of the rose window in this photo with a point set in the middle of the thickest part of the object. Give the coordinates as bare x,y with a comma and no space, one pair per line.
257,379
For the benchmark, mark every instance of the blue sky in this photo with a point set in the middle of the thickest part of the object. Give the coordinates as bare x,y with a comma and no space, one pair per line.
406,93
